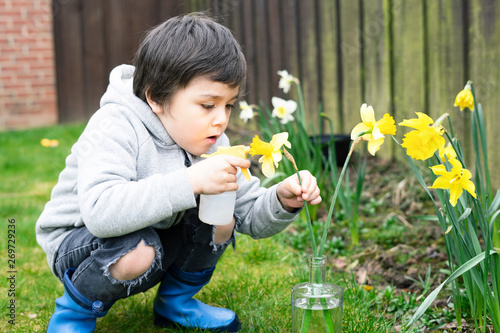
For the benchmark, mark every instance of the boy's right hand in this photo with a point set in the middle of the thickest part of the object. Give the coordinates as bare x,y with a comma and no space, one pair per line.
216,174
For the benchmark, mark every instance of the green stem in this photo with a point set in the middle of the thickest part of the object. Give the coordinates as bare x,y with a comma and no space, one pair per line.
332,205
306,320
482,130
301,103
309,222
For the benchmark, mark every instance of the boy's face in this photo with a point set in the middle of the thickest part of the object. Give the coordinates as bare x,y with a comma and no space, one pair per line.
198,114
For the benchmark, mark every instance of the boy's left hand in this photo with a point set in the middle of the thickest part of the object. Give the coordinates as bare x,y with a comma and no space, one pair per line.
291,194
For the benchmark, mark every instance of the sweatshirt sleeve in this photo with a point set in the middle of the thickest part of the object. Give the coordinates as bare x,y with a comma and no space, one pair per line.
260,212
112,200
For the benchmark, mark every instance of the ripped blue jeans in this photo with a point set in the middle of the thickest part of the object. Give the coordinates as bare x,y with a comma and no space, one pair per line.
189,245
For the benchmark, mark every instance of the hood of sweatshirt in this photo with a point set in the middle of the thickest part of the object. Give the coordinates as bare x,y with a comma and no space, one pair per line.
120,91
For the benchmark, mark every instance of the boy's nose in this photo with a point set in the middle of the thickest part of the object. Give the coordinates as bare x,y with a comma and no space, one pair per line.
221,117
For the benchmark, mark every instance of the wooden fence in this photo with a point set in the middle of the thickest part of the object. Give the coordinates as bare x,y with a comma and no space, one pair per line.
401,56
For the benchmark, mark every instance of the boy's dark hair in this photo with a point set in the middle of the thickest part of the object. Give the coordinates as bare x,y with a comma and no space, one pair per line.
182,48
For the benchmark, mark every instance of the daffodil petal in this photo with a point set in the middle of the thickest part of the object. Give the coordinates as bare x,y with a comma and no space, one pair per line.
441,183
377,134
421,123
374,145
240,151
456,166
245,173
276,156
469,187
267,167
439,169
359,128
455,193
367,114
279,140
291,106
277,102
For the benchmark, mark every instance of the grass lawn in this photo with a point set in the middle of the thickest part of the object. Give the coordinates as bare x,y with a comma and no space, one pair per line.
254,280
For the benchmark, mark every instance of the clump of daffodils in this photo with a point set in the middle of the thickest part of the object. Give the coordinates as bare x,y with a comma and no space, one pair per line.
424,141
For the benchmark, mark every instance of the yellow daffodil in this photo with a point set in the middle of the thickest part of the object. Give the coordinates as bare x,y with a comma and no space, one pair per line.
246,112
286,81
240,151
371,130
427,137
465,99
448,151
283,109
49,143
456,180
270,151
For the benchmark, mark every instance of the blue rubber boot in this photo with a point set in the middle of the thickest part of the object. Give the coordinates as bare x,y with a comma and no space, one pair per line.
175,307
74,313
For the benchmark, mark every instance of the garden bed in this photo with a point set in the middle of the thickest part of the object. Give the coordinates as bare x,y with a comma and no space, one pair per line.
402,250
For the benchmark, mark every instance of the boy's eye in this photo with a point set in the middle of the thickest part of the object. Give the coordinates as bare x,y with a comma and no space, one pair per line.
208,106
230,106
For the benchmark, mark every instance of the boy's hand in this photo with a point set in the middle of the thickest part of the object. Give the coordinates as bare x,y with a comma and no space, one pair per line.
216,174
291,194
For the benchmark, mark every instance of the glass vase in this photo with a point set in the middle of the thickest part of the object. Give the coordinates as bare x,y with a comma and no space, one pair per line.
317,305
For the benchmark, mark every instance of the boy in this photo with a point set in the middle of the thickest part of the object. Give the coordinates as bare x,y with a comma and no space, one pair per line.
123,216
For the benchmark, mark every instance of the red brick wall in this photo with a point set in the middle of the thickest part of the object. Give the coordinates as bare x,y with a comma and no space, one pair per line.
27,71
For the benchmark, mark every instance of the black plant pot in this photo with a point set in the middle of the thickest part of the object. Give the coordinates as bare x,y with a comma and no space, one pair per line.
342,145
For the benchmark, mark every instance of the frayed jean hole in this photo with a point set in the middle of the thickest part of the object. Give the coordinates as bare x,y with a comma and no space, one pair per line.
156,262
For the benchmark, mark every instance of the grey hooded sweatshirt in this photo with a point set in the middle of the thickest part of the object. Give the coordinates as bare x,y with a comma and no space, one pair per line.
125,173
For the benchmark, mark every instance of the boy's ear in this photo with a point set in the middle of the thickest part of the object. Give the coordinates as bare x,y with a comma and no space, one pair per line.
157,108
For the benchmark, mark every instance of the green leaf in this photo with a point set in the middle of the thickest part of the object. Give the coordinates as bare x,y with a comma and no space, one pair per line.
466,213
432,296
495,237
495,204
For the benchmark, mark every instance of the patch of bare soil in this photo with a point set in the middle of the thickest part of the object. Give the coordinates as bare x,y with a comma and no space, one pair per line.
419,243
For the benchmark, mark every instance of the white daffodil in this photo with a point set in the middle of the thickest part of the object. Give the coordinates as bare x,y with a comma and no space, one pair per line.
286,81
246,112
283,109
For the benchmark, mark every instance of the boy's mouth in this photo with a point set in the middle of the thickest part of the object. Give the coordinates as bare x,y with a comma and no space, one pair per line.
212,139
